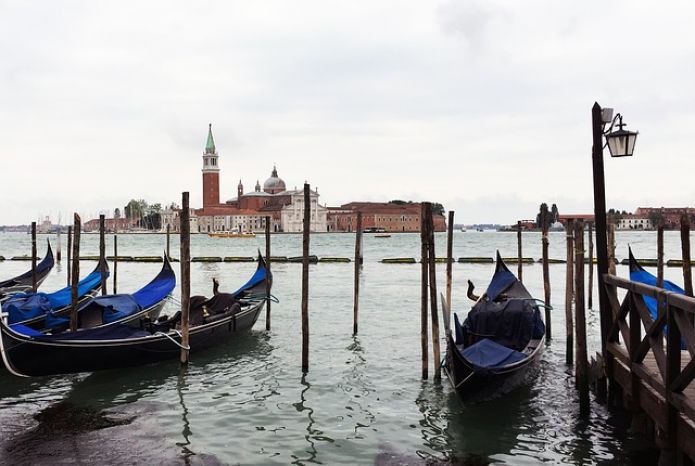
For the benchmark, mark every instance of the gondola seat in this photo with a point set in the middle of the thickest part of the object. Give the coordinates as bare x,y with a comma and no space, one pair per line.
486,355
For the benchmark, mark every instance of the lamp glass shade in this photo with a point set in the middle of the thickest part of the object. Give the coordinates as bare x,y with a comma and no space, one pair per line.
621,143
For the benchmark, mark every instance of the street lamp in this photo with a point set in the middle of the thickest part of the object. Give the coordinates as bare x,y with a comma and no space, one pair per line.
621,143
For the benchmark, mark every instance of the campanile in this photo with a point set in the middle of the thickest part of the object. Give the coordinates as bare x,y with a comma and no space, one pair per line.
211,173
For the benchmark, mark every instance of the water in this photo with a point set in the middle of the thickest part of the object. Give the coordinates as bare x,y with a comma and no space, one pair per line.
362,402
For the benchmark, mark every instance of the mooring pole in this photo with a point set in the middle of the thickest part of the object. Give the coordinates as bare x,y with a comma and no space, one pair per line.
185,258
611,249
569,293
546,271
434,310
69,255
305,278
102,253
34,284
358,266
267,264
75,271
60,245
424,270
115,263
660,255
582,369
519,266
685,249
590,287
168,239
449,263
601,233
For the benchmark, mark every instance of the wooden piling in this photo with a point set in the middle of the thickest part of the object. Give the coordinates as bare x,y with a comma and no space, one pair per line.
69,256
582,368
546,271
267,264
449,265
424,273
569,293
34,284
660,255
685,249
611,249
434,309
75,271
590,286
115,263
59,249
305,279
168,239
102,253
358,265
520,265
185,261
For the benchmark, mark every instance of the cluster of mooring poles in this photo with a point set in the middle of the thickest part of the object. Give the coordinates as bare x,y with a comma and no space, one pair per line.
428,288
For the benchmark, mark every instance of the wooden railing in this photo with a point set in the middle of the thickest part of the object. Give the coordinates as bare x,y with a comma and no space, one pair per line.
670,337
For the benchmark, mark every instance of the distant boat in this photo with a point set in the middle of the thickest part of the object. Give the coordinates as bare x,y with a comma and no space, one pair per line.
382,235
232,234
463,229
374,230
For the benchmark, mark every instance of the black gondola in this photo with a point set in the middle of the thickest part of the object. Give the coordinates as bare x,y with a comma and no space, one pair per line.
213,321
22,283
30,308
500,341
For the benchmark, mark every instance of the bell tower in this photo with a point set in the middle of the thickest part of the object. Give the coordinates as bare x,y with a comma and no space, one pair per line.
239,190
211,173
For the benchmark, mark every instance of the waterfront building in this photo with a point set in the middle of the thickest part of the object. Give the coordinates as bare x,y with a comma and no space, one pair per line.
634,222
381,216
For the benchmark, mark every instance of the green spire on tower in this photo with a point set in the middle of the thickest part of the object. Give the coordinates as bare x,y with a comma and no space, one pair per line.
210,145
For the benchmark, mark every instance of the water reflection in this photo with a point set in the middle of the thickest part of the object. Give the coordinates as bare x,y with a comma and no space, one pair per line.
302,407
186,432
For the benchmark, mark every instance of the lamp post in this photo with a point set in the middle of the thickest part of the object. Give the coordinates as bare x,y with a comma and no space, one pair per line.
621,143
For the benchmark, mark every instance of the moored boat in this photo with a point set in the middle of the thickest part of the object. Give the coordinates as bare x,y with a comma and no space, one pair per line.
22,283
502,338
214,321
232,234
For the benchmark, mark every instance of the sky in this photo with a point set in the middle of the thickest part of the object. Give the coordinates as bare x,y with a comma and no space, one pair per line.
481,105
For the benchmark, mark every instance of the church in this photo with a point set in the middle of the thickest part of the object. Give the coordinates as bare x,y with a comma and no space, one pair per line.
248,211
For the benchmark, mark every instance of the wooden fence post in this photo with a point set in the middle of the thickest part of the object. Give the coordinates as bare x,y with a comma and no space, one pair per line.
358,265
102,253
569,292
34,284
660,255
267,263
449,263
185,258
305,279
75,271
582,368
685,249
424,269
59,252
168,239
546,271
432,265
611,248
520,257
590,287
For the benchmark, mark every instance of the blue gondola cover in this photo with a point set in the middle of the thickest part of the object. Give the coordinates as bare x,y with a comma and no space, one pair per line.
486,355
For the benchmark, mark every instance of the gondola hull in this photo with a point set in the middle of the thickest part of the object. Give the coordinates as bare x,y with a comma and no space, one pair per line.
471,383
29,357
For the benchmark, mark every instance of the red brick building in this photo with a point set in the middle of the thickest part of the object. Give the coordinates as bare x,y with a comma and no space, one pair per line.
386,216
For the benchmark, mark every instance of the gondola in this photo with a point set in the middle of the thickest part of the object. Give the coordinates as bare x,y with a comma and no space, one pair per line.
100,311
638,274
497,347
30,308
22,283
214,321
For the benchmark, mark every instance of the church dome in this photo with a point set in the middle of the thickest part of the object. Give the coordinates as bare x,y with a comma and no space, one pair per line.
274,184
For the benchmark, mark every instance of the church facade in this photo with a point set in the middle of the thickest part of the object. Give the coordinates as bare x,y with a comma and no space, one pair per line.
248,211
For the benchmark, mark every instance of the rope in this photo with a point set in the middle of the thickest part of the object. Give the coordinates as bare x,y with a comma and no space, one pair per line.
187,348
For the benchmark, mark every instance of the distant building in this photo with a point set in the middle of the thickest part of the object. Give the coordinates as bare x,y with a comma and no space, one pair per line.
248,211
110,224
634,222
386,216
671,216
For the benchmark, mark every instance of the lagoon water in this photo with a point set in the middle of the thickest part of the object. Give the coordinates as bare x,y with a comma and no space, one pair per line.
362,401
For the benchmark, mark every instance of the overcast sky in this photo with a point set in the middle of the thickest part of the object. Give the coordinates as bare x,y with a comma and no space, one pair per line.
482,105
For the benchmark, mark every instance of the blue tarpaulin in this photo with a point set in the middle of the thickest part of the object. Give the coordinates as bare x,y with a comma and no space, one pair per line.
647,278
486,354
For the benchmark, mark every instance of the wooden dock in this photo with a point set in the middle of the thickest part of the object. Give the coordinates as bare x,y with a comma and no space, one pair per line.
650,362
